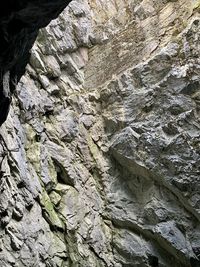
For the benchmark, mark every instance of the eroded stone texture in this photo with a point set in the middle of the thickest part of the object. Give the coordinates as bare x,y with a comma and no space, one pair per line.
100,154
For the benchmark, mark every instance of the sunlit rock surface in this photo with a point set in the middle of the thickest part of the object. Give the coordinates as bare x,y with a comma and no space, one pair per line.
100,156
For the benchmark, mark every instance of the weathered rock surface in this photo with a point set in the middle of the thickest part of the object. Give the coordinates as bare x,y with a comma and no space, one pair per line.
100,153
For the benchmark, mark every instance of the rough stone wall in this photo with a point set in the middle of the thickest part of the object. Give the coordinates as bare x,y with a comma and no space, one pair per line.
100,154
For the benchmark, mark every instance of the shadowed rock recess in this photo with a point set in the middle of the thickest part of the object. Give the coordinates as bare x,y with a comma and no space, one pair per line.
20,21
100,154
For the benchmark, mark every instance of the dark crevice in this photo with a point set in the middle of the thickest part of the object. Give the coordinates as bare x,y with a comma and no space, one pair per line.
194,262
191,88
62,175
153,261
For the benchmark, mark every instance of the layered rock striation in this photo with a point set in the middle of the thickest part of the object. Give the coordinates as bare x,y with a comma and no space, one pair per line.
100,152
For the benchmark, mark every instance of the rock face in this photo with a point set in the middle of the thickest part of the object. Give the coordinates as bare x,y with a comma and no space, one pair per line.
20,21
100,153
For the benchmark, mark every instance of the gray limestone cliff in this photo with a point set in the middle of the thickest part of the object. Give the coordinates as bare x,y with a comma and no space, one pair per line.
100,154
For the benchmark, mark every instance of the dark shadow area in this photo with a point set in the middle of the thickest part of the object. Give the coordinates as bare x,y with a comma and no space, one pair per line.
20,21
153,261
